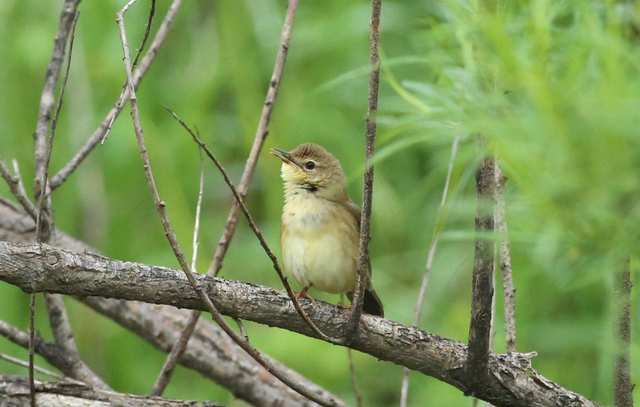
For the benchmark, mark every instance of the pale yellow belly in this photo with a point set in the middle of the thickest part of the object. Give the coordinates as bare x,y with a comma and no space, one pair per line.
320,246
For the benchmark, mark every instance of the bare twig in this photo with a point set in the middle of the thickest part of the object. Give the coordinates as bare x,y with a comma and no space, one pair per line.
44,201
354,379
483,268
364,263
160,206
623,387
32,345
17,189
139,74
11,205
196,226
51,352
145,37
255,230
120,102
47,99
164,377
58,318
38,369
243,330
258,142
509,291
247,174
404,390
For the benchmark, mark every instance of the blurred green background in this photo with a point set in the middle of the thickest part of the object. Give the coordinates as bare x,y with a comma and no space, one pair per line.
554,86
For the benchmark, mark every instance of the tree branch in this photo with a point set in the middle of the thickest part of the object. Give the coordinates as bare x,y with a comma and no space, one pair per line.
17,189
210,352
623,387
69,10
404,388
172,238
511,380
483,269
14,392
245,180
364,262
138,75
508,289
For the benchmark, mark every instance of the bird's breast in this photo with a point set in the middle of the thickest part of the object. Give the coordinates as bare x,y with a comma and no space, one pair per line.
319,243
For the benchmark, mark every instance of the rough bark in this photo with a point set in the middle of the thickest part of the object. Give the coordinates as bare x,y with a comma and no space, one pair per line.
623,387
511,382
210,351
483,269
14,392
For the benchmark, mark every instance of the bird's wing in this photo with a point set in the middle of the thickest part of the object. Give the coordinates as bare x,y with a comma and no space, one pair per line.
354,210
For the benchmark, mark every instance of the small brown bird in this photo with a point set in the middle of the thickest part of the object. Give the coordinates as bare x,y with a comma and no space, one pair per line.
320,225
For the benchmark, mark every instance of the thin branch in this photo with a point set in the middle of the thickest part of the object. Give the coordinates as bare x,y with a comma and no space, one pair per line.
243,330
211,352
196,226
17,189
58,318
160,206
404,389
139,74
483,268
364,262
509,291
164,377
38,369
47,99
45,225
247,174
354,379
63,334
255,229
623,387
512,381
10,204
32,342
145,37
122,98
261,134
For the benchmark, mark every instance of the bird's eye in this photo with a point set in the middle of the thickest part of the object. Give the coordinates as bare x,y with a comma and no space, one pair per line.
310,165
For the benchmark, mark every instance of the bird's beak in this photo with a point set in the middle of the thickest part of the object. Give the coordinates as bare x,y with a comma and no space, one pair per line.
284,156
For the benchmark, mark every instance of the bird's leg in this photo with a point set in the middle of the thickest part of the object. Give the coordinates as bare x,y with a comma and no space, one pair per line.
342,304
305,294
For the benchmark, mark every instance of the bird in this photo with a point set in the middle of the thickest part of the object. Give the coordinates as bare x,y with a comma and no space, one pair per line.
320,230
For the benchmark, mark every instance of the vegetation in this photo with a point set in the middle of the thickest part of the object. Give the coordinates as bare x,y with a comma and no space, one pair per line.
554,86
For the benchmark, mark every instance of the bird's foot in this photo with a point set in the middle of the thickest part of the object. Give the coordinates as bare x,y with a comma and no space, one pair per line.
305,294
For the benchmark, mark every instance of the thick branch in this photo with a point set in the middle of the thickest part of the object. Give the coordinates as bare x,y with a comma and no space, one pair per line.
511,382
210,351
14,392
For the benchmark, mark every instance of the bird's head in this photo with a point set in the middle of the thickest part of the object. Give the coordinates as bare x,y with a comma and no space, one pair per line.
311,167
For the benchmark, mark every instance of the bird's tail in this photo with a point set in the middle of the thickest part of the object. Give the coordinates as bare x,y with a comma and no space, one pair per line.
372,304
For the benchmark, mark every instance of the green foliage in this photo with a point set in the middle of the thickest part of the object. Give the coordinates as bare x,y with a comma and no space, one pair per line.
553,86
